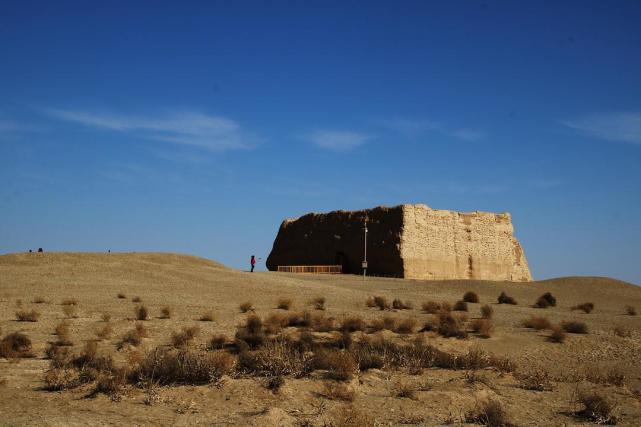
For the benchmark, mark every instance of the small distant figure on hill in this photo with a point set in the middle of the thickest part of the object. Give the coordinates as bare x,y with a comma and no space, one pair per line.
40,250
30,251
253,263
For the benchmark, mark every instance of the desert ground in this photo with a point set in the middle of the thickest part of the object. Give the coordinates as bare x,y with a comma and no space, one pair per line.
340,366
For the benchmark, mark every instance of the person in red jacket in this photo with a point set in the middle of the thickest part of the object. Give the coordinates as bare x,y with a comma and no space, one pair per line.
253,262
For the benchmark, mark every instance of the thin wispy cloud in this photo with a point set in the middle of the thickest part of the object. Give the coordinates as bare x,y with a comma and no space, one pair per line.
185,128
417,127
7,126
337,140
621,127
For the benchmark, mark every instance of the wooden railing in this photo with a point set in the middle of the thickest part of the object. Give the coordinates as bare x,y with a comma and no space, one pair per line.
319,269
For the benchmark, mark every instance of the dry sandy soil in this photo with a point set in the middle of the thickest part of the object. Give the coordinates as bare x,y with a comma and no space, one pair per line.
599,361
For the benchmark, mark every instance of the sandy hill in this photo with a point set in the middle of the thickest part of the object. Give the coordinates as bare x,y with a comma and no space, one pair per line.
192,286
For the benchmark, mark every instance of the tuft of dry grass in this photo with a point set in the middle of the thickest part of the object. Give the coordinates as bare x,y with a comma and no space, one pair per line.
487,311
58,379
596,408
275,322
104,332
252,332
471,297
322,323
352,324
121,295
488,413
431,307
369,302
106,317
136,299
574,327
405,326
546,300
217,342
165,313
185,336
275,383
557,335
276,357
506,299
397,304
284,303
15,345
27,315
449,326
586,307
405,390
537,322
133,337
483,327
246,306
381,302
460,306
622,331
141,312
319,303
338,391
38,300
535,379
70,311
630,311
69,301
207,316
349,416
339,364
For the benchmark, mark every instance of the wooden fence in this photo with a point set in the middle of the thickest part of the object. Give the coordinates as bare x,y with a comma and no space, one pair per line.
318,269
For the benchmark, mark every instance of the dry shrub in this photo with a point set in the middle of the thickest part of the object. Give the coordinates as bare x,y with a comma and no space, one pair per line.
217,342
251,333
70,311
449,326
275,383
338,391
586,307
246,306
58,379
506,299
557,335
284,303
136,299
574,327
397,304
185,336
460,306
121,295
546,300
471,297
613,376
405,390
537,322
110,384
370,302
487,311
299,320
38,300
69,301
431,307
366,359
275,358
536,379
596,408
27,316
141,312
104,332
178,366
342,340
165,313
105,317
630,311
387,322
207,316
348,416
275,322
622,331
405,326
339,364
133,337
352,324
381,302
488,413
319,303
322,323
482,327
15,345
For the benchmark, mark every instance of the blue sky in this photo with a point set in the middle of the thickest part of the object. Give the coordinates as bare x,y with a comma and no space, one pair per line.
197,127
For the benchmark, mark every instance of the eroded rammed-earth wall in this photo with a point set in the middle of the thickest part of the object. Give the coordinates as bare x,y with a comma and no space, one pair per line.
411,241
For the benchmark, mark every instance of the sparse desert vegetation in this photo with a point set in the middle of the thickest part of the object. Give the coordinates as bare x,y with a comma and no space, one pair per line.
284,303
506,299
342,355
471,297
246,306
27,316
586,307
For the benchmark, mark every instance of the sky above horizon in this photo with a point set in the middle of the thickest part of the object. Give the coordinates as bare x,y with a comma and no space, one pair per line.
197,127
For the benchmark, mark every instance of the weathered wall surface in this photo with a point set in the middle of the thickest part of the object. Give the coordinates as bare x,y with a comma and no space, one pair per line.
337,238
440,244
412,241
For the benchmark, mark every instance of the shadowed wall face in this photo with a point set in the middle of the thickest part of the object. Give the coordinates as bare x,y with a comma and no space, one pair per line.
338,238
411,241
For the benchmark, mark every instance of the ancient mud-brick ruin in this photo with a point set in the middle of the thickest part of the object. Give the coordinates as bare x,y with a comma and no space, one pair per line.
411,241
